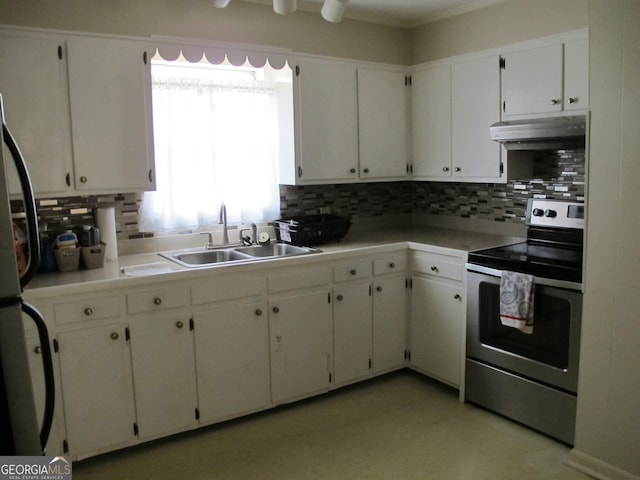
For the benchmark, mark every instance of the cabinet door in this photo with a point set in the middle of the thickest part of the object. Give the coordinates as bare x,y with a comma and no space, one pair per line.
382,122
437,318
300,345
576,75
163,375
95,371
34,91
431,100
352,332
532,81
389,323
232,361
110,95
327,122
475,104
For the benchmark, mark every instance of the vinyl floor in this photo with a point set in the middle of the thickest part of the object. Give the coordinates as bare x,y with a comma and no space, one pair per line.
400,426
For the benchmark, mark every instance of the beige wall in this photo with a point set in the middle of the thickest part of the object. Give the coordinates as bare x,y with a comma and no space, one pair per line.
303,32
608,424
501,24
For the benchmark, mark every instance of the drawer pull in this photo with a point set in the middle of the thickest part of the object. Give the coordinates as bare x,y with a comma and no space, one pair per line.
275,309
88,311
258,312
378,288
434,268
179,324
38,350
115,336
353,271
458,297
157,301
392,265
339,298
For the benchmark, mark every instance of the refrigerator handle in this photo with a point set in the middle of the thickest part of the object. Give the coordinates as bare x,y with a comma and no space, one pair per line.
47,364
29,207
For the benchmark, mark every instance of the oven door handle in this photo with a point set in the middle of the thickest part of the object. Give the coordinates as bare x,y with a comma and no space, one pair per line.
547,282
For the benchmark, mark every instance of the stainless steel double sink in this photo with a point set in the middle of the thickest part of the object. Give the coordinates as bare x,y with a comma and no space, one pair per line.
202,257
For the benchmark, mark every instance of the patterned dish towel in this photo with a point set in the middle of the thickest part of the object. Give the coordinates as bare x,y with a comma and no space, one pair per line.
516,301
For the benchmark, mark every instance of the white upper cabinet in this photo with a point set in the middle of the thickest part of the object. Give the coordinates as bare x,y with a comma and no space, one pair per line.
475,105
546,80
110,96
326,122
431,102
453,107
382,122
576,74
350,122
33,84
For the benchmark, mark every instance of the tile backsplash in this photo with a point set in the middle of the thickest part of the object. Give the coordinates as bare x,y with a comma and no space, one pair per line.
557,174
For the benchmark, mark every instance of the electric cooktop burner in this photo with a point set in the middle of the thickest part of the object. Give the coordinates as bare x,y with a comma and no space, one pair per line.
554,243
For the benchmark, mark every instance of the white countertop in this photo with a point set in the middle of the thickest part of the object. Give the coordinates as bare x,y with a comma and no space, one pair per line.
435,239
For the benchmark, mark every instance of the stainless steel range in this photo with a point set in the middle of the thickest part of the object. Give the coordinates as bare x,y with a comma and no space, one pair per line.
530,377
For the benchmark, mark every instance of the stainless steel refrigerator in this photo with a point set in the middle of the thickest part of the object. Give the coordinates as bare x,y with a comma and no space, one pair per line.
20,433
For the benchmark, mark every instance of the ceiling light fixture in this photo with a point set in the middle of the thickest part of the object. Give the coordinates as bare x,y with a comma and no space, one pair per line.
332,10
284,7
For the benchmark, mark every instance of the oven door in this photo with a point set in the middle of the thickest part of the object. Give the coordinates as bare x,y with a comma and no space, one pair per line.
549,355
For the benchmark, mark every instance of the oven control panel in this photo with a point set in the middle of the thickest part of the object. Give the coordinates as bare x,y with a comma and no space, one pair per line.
555,213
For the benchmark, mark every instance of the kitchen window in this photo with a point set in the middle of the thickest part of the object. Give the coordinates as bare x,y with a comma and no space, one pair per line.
218,132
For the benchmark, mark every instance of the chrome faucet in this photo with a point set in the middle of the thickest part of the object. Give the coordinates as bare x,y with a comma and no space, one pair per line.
253,240
223,221
209,245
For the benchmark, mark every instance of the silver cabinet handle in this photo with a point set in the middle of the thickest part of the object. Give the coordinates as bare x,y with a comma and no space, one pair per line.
275,309
572,100
434,268
555,101
392,265
353,271
339,298
157,301
458,297
114,336
445,169
83,179
457,169
378,288
88,311
38,350
179,324
258,312
366,170
353,170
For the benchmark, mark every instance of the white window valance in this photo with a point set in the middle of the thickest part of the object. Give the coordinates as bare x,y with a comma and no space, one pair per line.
217,55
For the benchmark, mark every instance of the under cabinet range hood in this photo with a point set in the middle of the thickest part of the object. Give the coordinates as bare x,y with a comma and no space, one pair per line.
541,133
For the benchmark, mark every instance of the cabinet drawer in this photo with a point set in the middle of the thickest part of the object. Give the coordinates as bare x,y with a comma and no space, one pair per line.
87,309
352,271
304,278
390,264
228,287
155,300
438,265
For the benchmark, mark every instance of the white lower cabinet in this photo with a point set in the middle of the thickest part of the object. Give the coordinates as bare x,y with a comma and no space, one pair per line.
95,371
352,332
163,375
437,317
389,323
300,345
232,360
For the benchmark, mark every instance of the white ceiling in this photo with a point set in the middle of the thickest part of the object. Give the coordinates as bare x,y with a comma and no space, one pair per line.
399,13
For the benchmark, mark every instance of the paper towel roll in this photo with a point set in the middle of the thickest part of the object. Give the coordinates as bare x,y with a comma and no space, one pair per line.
106,222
